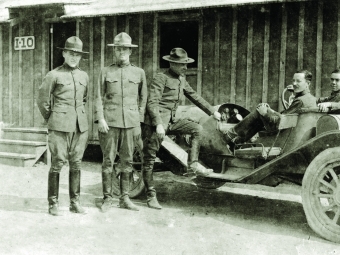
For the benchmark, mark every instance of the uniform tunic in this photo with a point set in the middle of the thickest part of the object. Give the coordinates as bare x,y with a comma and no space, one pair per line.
121,96
254,122
61,100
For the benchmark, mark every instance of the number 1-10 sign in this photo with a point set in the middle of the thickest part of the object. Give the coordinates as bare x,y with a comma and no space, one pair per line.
24,43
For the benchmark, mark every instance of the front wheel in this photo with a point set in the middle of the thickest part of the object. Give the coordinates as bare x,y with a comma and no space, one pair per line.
321,194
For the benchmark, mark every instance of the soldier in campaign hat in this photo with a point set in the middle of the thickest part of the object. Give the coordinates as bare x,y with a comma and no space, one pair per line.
121,95
166,91
61,100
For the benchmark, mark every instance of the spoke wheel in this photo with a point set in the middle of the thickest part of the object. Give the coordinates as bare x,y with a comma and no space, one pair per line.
321,194
136,182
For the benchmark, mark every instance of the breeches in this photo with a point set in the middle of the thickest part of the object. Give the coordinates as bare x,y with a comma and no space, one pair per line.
152,143
66,146
120,140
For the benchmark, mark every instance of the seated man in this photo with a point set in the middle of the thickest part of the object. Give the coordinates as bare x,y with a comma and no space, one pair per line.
265,117
332,103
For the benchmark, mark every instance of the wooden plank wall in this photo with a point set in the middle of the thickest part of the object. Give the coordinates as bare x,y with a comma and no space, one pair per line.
249,54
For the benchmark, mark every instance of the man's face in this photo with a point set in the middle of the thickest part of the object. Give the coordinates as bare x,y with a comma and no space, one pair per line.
335,81
178,68
300,83
122,54
71,58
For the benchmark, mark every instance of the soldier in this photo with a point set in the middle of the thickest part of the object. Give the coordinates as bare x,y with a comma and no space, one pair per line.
332,103
61,100
120,105
265,117
165,93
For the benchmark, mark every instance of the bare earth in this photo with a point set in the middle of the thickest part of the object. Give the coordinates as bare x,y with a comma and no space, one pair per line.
260,220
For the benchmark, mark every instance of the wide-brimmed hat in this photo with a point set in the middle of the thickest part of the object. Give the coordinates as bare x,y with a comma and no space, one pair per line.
122,40
178,55
74,44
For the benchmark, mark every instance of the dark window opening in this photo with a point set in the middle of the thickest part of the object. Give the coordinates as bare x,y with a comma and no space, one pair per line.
61,31
179,34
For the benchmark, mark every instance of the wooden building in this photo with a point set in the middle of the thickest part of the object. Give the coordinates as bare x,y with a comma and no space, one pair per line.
246,51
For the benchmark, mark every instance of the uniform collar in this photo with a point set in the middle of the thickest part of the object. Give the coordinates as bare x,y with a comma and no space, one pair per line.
302,93
68,68
335,93
123,65
173,74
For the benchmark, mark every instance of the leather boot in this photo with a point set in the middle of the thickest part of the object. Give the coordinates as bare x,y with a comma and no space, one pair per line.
194,167
74,191
151,198
53,193
124,200
107,191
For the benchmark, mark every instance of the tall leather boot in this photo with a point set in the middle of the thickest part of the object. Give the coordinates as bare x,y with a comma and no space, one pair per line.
107,191
53,193
124,200
194,167
74,191
151,198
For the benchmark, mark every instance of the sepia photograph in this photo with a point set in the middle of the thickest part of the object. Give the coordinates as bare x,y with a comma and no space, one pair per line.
169,127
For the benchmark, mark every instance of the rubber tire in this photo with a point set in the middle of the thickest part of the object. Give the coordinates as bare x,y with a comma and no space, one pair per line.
137,187
317,219
136,183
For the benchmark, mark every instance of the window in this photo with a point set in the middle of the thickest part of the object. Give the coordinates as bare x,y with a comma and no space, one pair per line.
179,34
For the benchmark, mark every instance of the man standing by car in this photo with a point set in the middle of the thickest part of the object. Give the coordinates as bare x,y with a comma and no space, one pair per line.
61,100
164,95
265,117
121,96
332,102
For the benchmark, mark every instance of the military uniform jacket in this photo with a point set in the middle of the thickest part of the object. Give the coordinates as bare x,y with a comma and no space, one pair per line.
301,100
61,100
334,99
165,93
121,96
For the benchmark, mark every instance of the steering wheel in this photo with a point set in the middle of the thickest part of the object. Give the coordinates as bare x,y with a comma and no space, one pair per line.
287,102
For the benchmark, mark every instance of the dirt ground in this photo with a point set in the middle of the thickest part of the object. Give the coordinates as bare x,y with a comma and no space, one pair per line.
259,220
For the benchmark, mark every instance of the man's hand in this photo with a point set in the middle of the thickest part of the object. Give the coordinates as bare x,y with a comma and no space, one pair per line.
102,126
263,108
325,107
217,115
160,131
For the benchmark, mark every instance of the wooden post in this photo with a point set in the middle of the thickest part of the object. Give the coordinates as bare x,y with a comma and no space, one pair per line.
233,57
338,39
283,53
1,74
91,91
20,79
249,58
140,41
102,42
266,58
319,39
301,35
77,27
217,88
10,73
127,24
200,57
155,45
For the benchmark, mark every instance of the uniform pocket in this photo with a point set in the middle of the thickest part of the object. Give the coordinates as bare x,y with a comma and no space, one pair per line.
112,86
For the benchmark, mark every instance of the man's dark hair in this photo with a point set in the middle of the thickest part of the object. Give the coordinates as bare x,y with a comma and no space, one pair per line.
308,74
336,70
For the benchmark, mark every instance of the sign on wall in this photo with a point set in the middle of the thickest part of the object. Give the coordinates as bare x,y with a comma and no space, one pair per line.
24,43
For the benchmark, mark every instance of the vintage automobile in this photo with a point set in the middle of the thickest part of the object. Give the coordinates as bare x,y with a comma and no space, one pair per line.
305,151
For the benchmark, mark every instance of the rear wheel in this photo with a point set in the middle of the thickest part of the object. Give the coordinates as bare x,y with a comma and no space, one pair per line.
321,194
136,182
